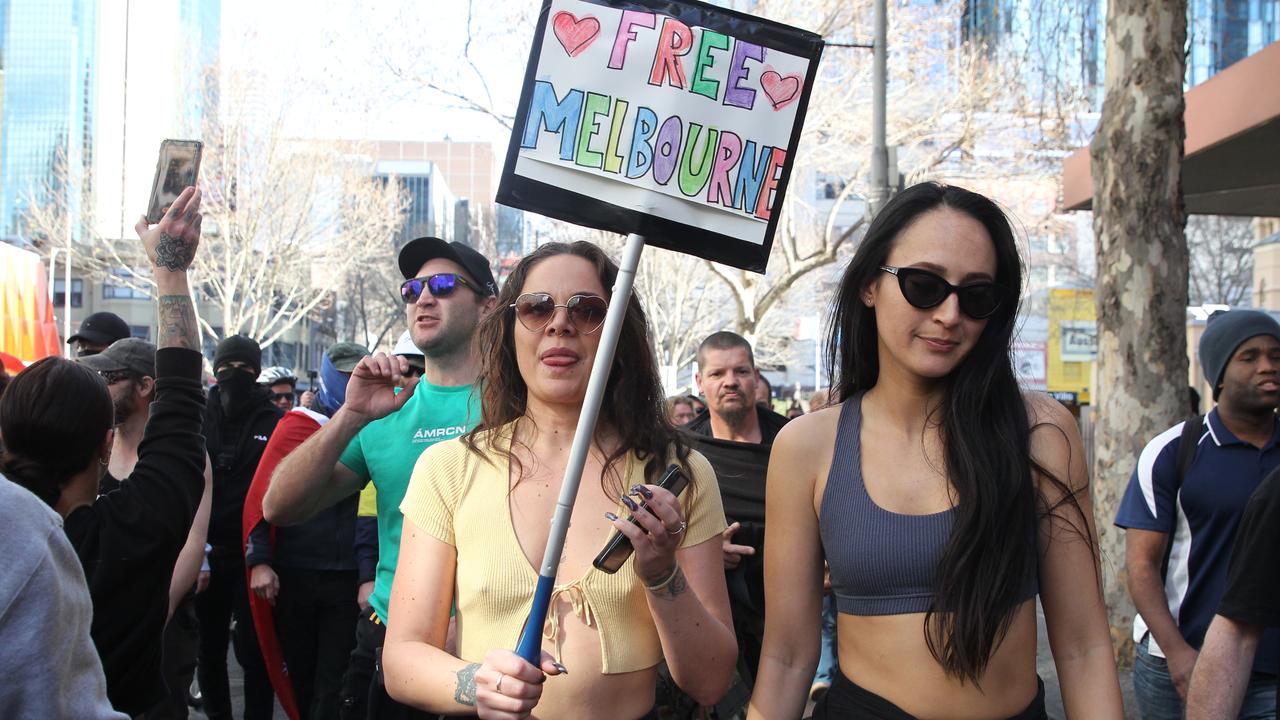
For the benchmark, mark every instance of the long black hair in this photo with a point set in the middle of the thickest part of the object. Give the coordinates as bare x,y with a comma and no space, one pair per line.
992,552
635,406
54,417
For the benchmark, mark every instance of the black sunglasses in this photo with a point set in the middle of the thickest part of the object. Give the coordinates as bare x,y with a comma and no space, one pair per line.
282,396
114,376
586,312
439,285
924,290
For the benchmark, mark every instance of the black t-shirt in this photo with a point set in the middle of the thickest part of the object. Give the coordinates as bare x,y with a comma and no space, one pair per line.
1253,575
741,470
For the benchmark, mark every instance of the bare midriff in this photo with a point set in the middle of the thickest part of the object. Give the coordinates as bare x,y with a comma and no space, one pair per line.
888,655
588,693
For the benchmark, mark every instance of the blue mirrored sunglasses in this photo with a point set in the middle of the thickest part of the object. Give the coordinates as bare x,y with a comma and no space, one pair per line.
439,285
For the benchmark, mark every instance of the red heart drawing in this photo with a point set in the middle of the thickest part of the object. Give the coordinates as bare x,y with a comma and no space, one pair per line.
782,90
574,34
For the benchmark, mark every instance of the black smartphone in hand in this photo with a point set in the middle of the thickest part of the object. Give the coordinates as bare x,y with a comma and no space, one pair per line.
176,169
618,548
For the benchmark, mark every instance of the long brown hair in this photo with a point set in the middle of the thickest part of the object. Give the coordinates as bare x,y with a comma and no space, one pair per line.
634,406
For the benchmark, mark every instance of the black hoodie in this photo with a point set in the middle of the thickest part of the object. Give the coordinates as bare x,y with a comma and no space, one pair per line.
129,539
235,445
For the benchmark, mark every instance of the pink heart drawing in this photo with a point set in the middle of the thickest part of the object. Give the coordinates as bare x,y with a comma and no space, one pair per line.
574,34
782,90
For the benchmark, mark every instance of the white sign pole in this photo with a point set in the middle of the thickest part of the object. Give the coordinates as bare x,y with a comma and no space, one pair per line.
530,645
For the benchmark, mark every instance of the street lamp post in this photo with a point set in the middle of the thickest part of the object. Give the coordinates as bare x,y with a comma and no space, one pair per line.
879,82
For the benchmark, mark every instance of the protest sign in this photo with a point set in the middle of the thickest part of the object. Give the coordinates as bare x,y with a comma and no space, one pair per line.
677,121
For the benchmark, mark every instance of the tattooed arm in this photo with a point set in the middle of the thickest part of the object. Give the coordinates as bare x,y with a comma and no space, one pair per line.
171,246
419,672
685,583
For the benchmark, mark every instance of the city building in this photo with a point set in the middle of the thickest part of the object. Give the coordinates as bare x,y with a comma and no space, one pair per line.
432,204
1224,32
48,50
157,74
299,348
1232,131
468,167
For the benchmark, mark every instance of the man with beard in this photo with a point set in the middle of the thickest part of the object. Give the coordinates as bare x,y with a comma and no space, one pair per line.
736,433
381,430
239,420
129,367
1183,506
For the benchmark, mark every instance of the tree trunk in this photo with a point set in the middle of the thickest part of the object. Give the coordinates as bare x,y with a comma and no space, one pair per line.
1142,264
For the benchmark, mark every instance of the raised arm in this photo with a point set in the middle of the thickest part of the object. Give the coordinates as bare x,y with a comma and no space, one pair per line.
171,246
312,478
792,570
168,477
1070,578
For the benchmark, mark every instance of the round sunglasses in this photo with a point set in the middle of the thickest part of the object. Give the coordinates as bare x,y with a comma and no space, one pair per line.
535,310
439,285
925,289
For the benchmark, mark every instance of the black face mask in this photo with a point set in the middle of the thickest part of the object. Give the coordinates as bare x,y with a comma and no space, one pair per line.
234,387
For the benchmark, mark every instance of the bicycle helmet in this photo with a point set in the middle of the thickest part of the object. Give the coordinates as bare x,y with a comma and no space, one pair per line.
277,374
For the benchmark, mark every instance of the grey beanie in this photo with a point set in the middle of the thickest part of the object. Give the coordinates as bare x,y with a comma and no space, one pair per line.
1227,331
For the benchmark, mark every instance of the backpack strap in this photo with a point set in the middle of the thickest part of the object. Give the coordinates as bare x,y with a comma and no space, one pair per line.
1191,431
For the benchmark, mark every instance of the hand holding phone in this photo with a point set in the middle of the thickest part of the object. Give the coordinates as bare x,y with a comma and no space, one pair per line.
618,548
177,168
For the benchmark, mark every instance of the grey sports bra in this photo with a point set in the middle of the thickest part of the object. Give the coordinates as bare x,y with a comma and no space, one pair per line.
882,562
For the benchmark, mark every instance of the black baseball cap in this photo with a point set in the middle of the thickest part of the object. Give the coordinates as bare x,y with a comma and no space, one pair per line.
134,355
102,328
419,250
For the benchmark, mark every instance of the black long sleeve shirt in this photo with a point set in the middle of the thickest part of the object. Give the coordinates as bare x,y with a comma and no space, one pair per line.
129,538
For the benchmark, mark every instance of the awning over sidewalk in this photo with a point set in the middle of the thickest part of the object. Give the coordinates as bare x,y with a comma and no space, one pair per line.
1232,150
28,329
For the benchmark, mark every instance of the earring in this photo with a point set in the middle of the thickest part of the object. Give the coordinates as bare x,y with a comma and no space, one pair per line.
104,461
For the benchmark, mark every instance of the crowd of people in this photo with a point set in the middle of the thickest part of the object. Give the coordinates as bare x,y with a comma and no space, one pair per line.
369,547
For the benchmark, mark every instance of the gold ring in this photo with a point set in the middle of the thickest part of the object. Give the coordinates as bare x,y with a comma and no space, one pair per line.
498,687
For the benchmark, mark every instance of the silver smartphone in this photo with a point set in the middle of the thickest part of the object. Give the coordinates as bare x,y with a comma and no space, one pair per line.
177,169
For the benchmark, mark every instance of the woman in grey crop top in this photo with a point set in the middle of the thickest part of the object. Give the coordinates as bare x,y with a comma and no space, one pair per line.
942,499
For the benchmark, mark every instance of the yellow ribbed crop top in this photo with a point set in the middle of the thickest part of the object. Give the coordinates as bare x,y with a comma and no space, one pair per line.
460,498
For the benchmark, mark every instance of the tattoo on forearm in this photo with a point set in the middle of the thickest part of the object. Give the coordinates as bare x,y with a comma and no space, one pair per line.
177,323
466,692
174,253
673,589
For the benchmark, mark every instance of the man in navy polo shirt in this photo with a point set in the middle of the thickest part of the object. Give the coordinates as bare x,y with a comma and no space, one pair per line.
1179,530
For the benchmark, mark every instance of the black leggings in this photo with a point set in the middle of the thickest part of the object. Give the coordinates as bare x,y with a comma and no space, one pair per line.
847,701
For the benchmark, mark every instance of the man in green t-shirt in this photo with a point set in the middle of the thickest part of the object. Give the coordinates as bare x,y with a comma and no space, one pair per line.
381,430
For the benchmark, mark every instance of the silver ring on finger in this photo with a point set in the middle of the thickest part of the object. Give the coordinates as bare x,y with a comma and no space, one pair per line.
498,687
680,529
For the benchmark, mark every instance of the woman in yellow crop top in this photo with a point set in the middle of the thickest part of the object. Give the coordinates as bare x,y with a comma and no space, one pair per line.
477,516
941,497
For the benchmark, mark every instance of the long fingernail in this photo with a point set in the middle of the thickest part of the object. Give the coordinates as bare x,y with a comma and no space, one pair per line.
646,492
561,668
631,504
611,516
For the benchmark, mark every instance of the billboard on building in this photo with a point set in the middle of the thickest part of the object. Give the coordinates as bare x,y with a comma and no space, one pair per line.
1072,342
